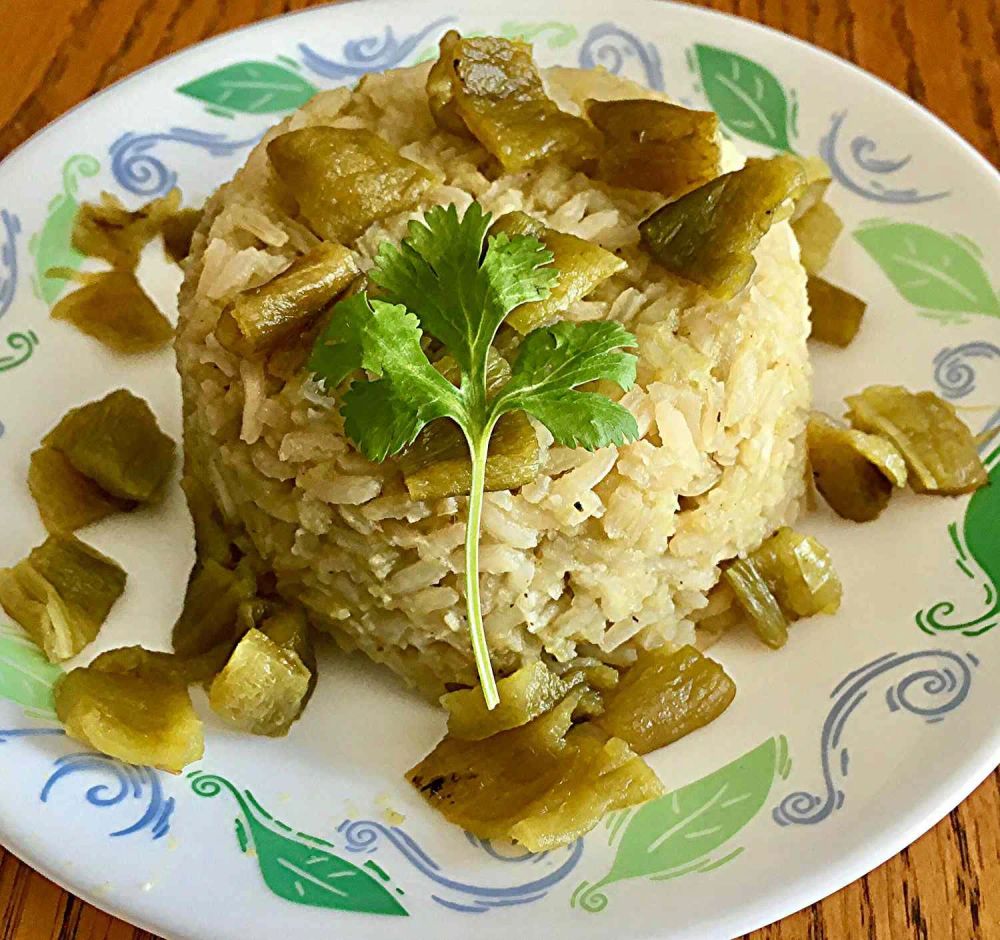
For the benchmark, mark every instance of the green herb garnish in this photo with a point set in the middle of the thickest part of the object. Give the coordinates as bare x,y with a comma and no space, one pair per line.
440,280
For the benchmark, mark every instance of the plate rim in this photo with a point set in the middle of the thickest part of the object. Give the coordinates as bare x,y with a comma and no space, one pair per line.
905,828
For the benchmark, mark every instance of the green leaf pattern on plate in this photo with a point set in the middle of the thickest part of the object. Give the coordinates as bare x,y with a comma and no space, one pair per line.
251,88
26,676
51,246
676,834
557,35
749,100
301,868
930,269
977,546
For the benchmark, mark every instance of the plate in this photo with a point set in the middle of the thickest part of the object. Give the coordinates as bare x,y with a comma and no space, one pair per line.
840,750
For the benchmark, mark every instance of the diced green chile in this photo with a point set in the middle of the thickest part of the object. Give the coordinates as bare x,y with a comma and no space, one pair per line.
665,695
938,448
209,617
542,784
654,145
817,180
61,594
817,231
582,267
146,720
528,693
66,499
287,304
437,463
112,307
855,472
757,600
263,687
117,443
344,179
708,235
799,572
110,231
834,313
178,231
492,87
138,661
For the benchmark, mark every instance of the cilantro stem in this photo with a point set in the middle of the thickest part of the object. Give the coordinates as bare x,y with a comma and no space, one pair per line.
478,450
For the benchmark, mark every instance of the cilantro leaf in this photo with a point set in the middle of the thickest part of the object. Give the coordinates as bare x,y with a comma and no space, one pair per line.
384,416
442,280
552,361
582,419
565,355
337,351
461,295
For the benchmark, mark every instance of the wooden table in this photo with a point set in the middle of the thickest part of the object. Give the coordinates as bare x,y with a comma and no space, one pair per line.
944,53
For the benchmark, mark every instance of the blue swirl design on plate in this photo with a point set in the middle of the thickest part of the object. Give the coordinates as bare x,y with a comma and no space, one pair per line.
368,54
935,683
11,734
615,48
141,784
955,374
364,835
10,228
136,167
861,175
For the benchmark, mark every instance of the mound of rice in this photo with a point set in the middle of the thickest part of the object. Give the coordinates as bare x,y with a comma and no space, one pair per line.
604,553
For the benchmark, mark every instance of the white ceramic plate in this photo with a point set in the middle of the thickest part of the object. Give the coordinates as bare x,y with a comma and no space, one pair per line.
841,749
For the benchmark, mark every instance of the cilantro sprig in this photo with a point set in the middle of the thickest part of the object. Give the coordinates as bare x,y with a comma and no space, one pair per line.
451,280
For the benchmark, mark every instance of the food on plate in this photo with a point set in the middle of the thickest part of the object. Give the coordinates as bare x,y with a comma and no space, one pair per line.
213,601
574,561
787,577
542,784
61,594
345,178
144,719
854,472
117,443
112,307
709,235
582,266
655,145
66,499
109,231
663,696
491,88
816,232
178,231
835,314
260,317
500,376
817,181
938,447
263,687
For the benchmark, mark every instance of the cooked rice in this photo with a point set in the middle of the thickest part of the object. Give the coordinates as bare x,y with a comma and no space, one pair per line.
604,553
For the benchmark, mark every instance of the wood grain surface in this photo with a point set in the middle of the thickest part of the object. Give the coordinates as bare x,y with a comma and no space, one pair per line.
944,53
